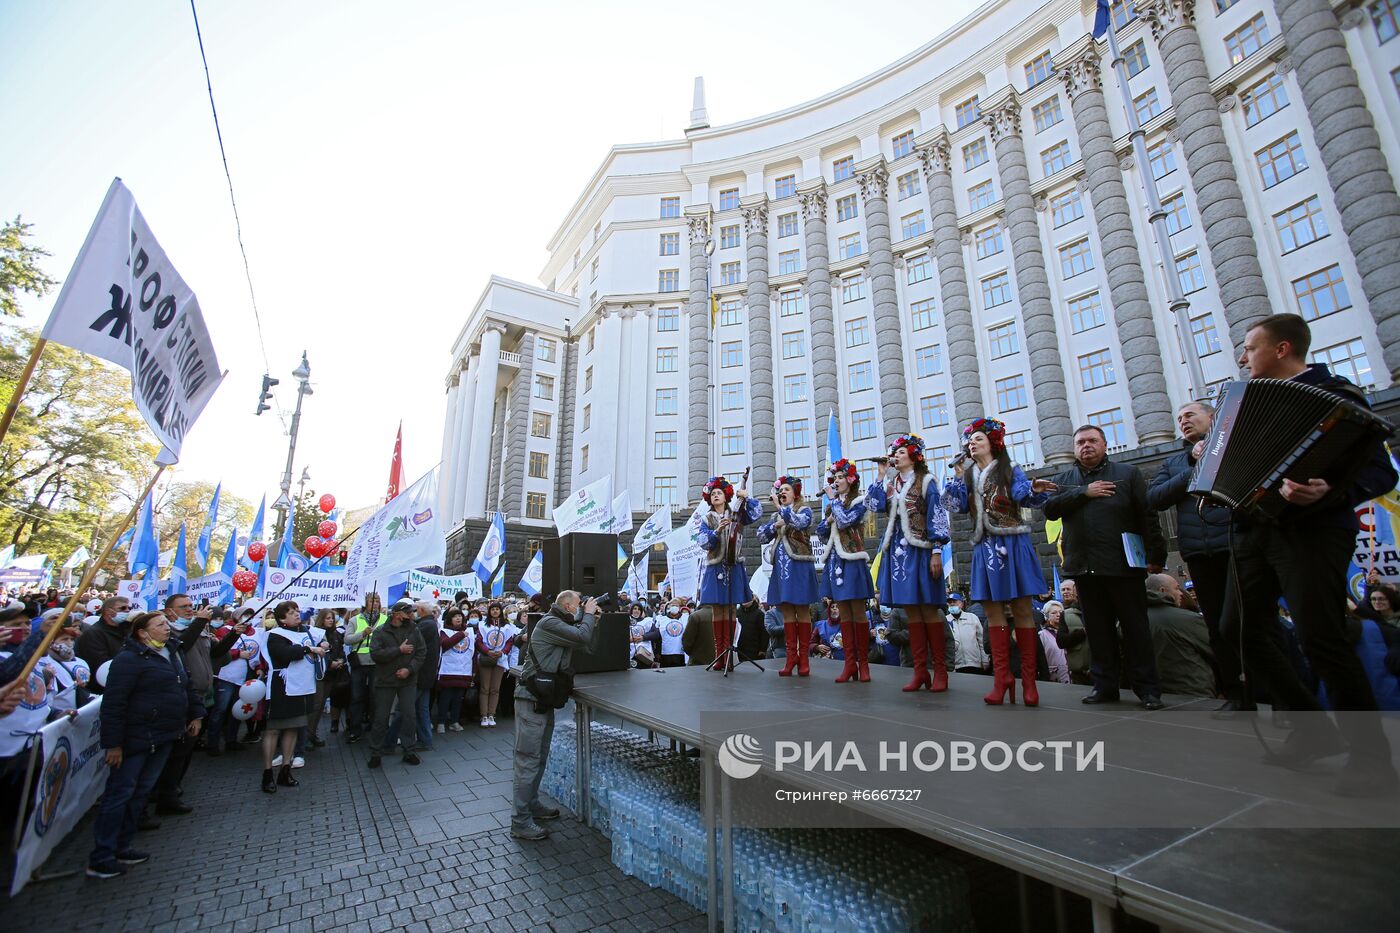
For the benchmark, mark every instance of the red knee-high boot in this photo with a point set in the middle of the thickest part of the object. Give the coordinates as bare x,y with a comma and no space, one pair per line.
721,642
1003,684
850,648
1025,646
918,644
790,643
862,630
804,648
938,655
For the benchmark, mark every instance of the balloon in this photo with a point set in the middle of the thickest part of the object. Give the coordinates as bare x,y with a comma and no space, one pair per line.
327,530
252,692
102,670
245,581
315,546
327,503
257,550
243,710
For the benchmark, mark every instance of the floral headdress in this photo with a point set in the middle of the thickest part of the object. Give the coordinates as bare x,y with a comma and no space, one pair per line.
994,429
912,443
720,483
794,481
842,467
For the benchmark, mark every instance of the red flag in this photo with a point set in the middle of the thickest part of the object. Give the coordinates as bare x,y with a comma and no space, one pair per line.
396,468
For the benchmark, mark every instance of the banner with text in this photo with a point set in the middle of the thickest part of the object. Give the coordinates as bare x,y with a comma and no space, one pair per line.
405,533
588,509
198,589
683,555
436,586
311,590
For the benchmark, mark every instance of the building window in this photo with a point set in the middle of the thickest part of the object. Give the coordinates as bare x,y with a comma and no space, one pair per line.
546,350
729,236
1301,224
789,261
587,417
1021,446
989,241
592,338
1222,5
1162,159
1096,370
1247,40
794,344
588,379
1047,113
729,273
669,280
797,433
1178,217
593,271
667,359
1204,335
928,361
668,319
852,288
1038,69
924,314
731,353
933,410
787,224
731,441
1055,159
843,168
795,388
1190,274
1011,393
1135,58
789,303
1123,13
1322,293
848,247
1265,99
729,199
975,154
1281,160
902,145
668,401
583,459
664,446
1076,259
670,207
857,332
539,465
917,269
1085,312
1347,359
1111,424
980,196
967,112
1002,340
731,396
846,208
539,424
1146,105
1065,207
863,424
534,505
544,387
996,290
663,491
908,185
860,376
912,225
731,312
784,187
1383,14
670,244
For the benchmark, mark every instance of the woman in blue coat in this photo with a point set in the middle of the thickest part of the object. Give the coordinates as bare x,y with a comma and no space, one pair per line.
793,584
723,582
846,567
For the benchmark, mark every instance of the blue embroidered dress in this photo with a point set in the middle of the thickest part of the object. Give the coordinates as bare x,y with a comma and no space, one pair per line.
794,578
1004,563
846,574
918,525
723,580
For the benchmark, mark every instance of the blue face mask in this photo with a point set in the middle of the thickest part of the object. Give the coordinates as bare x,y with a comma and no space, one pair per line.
121,617
179,624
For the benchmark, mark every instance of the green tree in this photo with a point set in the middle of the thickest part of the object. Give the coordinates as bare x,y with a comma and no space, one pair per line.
188,502
19,267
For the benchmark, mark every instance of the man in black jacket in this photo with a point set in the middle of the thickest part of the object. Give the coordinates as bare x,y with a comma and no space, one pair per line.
1304,557
103,640
1102,503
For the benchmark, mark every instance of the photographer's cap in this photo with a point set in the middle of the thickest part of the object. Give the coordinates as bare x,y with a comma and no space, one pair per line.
403,605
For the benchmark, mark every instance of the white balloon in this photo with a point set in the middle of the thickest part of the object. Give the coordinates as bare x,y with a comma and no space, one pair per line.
102,670
244,710
252,691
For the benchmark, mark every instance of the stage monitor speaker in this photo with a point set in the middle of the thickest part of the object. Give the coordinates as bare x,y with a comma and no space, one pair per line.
611,640
583,562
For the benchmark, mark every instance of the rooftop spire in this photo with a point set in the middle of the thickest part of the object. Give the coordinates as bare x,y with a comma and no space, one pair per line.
699,116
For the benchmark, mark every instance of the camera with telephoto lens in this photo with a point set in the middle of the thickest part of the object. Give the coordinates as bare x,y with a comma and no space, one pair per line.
605,601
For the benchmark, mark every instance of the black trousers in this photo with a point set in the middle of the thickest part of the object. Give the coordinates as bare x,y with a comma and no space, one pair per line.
167,789
1307,567
1210,575
1104,601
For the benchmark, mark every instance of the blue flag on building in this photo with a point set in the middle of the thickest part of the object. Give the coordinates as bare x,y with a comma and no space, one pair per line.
229,568
206,534
179,571
254,535
833,438
1101,16
1055,569
493,548
498,588
531,583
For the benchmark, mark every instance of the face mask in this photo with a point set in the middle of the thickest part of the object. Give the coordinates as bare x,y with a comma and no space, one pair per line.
158,645
121,617
179,624
954,611
63,650
886,612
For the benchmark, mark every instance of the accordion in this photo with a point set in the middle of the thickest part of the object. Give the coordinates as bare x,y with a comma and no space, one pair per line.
1269,430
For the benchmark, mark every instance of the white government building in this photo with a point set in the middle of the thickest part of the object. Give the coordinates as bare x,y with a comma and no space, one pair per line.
965,231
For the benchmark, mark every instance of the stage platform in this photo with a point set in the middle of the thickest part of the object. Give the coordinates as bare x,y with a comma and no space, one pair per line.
1217,839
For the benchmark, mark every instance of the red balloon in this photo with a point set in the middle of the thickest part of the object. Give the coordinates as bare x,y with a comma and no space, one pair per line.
327,530
245,581
316,546
327,503
257,550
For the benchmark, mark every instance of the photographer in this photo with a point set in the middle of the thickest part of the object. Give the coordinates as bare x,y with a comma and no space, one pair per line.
566,626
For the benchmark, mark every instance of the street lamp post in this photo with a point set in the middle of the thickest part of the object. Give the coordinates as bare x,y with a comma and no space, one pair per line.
283,505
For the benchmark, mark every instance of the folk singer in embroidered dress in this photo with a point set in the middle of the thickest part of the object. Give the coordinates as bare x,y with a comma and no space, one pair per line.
1005,568
723,582
911,570
846,568
793,584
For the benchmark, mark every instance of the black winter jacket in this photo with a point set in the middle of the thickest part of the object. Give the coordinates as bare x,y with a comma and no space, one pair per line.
1197,536
148,700
1094,528
98,644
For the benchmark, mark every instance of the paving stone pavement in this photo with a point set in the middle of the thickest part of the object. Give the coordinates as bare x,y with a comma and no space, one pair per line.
400,848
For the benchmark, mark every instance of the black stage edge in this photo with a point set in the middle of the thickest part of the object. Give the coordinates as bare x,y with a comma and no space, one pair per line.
1226,875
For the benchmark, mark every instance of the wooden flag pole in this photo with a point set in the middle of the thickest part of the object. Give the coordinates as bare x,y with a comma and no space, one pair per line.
20,386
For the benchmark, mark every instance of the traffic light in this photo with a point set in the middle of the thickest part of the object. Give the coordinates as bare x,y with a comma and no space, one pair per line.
343,554
268,383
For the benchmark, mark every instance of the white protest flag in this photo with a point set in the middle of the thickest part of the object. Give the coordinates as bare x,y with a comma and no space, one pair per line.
619,517
586,509
683,554
656,527
123,301
406,533
78,558
637,574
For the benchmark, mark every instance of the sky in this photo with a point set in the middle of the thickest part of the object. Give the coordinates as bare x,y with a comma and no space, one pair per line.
387,158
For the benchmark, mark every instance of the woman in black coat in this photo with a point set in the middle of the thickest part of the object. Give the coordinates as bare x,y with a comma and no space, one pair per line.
148,703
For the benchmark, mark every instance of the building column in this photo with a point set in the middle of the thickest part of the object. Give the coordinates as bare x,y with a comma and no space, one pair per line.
450,424
640,405
622,463
698,453
826,395
963,365
1153,416
889,330
1003,117
567,386
496,460
483,406
763,422
517,429
466,406
1229,236
1345,133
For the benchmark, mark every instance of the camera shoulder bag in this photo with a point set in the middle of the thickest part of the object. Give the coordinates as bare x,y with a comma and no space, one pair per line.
549,687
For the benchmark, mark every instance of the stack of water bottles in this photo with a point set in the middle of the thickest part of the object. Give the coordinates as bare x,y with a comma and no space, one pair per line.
646,798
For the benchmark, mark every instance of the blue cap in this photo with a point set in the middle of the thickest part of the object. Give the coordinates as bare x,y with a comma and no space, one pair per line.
957,596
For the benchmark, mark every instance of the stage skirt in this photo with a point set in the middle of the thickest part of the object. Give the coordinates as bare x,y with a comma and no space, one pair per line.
1005,567
846,579
904,577
724,585
793,581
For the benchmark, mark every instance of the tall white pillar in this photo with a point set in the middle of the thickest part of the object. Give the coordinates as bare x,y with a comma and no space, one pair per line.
450,423
484,410
623,467
461,443
643,391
